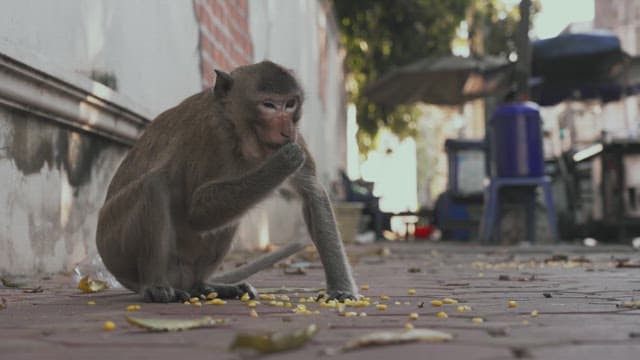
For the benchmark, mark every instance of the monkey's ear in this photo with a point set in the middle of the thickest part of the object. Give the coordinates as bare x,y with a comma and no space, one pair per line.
223,83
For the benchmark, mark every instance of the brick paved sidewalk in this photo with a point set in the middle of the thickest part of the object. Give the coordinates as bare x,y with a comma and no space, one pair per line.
578,303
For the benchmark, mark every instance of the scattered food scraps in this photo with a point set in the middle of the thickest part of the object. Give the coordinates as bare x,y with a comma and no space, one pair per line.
442,315
512,303
547,295
92,286
411,291
162,324
109,326
397,337
274,342
477,320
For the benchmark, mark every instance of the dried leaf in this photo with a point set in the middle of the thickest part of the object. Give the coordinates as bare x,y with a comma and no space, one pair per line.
159,324
92,286
274,342
3,304
397,337
10,284
633,304
34,290
627,264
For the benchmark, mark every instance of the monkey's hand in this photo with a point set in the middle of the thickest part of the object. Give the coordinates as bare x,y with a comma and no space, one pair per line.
287,160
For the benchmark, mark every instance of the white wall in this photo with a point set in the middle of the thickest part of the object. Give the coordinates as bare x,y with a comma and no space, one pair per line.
150,45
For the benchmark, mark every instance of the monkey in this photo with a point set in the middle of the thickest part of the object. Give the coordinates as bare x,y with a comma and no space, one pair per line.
172,207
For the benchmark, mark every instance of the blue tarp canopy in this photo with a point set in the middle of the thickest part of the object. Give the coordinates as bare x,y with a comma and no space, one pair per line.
582,66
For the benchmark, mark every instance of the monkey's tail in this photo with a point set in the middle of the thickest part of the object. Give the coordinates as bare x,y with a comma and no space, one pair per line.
261,263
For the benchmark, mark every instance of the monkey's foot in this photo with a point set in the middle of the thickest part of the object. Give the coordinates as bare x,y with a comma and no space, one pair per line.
164,294
338,295
225,291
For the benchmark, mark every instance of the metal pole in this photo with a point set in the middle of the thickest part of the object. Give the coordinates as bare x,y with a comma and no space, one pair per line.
523,48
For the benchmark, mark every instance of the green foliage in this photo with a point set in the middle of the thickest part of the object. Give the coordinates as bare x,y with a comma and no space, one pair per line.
379,35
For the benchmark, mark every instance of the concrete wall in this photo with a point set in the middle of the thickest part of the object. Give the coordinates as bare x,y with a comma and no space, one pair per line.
151,46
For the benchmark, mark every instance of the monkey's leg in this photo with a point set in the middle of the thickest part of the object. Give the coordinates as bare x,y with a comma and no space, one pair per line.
136,237
214,246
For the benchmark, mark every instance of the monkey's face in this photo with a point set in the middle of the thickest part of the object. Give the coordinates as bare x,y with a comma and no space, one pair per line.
278,118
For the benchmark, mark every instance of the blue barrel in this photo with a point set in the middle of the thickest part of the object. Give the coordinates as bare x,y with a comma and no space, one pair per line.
517,140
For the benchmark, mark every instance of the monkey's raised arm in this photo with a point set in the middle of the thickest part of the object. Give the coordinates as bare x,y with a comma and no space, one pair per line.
216,203
321,223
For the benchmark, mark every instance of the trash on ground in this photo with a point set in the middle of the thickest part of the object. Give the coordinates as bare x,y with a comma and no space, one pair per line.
92,286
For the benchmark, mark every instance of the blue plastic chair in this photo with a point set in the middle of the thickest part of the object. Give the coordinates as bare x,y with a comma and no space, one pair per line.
492,211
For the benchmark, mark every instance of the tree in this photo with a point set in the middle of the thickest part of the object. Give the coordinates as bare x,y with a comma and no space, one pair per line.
379,35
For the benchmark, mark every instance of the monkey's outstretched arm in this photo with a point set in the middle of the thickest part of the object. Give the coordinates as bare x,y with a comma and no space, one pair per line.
216,204
321,223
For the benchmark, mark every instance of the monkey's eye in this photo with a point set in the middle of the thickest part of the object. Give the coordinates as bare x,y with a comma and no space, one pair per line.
291,105
269,105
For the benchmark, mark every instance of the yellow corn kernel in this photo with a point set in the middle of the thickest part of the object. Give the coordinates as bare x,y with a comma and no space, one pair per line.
212,295
187,303
253,303
253,313
363,314
397,303
477,320
194,300
436,303
512,303
442,315
316,312
384,297
217,302
350,314
413,316
525,322
91,302
366,298
133,307
109,325
381,307
288,304
534,313
460,309
408,326
197,303
302,300
449,301
364,287
267,297
245,297
411,291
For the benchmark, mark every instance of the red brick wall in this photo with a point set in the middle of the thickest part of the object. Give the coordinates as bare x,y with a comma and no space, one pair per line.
224,41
